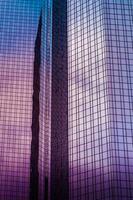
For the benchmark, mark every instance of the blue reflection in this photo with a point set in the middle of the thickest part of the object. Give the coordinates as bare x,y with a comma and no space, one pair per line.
18,24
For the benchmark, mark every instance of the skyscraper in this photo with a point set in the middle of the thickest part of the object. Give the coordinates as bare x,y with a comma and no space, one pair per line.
59,106
44,163
66,100
18,29
100,67
25,70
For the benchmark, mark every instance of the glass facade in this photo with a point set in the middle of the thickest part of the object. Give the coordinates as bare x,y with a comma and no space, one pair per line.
119,63
100,69
59,103
18,29
66,122
45,101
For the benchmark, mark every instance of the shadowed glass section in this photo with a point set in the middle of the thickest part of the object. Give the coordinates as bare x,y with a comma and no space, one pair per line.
45,102
59,110
35,117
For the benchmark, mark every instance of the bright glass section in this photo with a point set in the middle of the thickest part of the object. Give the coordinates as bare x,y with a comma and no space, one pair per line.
100,70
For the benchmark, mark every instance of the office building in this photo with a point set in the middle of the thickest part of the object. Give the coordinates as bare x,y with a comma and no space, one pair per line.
66,100
18,28
100,68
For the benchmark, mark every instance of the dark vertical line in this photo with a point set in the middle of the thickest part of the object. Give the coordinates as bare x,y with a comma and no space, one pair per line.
35,117
46,188
59,109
